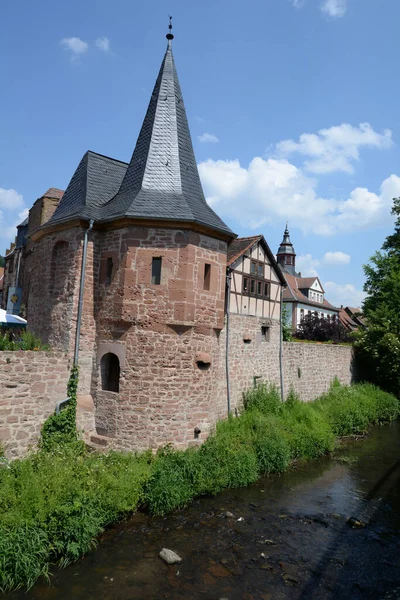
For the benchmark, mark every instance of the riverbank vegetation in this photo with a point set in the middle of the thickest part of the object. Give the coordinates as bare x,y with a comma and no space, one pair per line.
378,346
55,502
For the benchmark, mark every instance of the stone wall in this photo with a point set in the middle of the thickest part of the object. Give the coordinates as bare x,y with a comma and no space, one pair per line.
30,385
310,368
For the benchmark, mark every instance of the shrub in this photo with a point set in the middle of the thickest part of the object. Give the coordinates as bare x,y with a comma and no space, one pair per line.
20,340
264,397
317,329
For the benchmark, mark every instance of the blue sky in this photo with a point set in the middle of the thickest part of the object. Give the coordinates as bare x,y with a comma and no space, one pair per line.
293,109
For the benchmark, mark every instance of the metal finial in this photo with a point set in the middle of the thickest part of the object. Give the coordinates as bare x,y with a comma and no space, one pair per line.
169,35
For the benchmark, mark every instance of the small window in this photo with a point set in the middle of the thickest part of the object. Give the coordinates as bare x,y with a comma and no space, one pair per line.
259,288
245,285
109,270
260,270
252,286
266,290
265,333
110,372
253,267
301,314
156,271
10,265
207,276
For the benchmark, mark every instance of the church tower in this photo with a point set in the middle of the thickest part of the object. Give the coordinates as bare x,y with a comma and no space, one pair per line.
286,256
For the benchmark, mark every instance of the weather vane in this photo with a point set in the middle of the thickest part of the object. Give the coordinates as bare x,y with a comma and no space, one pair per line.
169,35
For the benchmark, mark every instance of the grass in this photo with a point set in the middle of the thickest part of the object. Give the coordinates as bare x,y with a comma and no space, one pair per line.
21,340
53,504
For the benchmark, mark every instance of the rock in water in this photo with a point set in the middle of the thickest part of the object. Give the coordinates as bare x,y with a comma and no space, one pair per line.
170,556
355,523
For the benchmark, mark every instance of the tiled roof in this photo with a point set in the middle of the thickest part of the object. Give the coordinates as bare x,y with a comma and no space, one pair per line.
94,182
346,320
240,245
24,222
161,181
293,294
54,193
305,282
1,277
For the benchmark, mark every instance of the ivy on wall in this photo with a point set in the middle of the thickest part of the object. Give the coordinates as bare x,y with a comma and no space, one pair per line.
61,428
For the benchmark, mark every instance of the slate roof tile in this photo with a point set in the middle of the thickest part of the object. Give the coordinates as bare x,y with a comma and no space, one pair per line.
161,181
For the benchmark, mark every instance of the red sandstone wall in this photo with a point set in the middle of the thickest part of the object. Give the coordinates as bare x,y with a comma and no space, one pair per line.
311,368
30,385
161,328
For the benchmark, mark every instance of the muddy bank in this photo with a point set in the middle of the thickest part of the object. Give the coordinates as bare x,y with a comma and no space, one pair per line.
288,538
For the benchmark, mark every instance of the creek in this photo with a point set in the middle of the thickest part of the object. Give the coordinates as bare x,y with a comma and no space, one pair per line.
288,538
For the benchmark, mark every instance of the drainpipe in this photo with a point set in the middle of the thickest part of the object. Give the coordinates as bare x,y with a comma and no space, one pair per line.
281,345
81,292
59,405
228,298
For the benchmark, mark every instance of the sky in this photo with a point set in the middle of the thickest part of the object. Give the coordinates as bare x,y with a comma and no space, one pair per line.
292,106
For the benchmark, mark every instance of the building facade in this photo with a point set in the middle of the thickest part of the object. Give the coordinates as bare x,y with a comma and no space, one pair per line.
302,295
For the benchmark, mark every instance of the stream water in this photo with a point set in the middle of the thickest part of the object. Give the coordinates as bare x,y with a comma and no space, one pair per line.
288,539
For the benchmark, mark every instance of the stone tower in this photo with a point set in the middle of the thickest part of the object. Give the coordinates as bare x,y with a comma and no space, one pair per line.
153,306
286,256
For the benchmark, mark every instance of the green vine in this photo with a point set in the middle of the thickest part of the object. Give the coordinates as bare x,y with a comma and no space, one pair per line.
61,429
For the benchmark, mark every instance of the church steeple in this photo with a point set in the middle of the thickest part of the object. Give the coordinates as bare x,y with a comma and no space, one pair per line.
286,256
162,181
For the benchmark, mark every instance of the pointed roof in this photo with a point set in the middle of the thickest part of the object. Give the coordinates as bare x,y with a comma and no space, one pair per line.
162,181
94,182
241,246
286,246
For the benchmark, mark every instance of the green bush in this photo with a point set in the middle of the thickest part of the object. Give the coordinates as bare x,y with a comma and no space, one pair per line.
68,497
22,340
264,397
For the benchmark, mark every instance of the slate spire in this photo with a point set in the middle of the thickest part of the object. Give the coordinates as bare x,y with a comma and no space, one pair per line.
162,181
286,256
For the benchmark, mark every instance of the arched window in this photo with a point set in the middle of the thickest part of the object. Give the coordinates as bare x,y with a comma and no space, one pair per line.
110,371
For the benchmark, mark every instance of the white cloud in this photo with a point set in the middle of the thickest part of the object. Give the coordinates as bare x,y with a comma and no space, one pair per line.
346,294
336,258
208,138
336,148
103,44
75,45
274,188
12,213
298,3
334,8
306,265
10,199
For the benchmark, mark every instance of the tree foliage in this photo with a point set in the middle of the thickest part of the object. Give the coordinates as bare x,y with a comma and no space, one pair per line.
2,261
378,347
318,329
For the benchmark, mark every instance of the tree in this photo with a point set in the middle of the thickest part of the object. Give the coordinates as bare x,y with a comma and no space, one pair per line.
378,347
2,261
317,329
